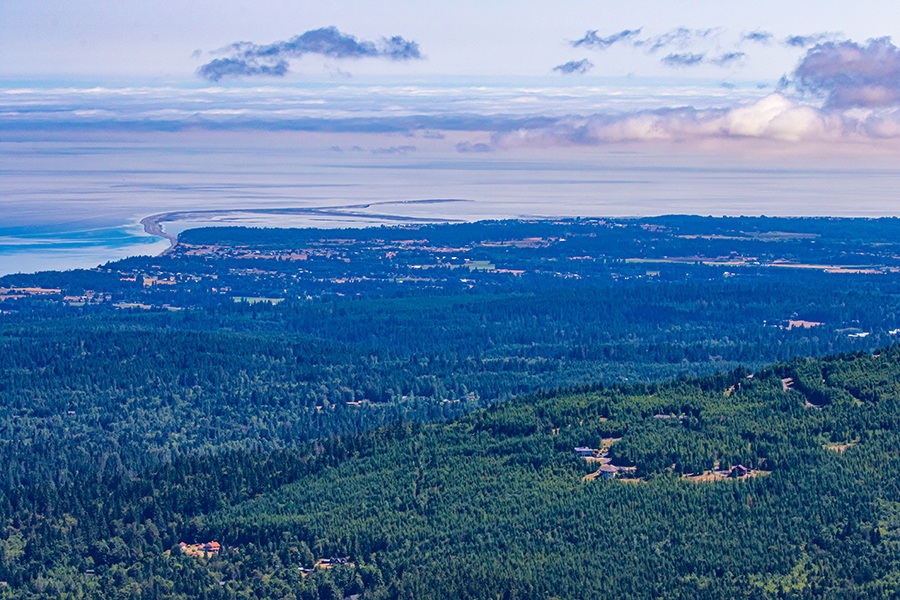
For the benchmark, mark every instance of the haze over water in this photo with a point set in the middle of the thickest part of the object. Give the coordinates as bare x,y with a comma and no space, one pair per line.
79,204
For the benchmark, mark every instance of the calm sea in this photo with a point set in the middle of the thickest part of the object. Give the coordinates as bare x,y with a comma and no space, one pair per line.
70,204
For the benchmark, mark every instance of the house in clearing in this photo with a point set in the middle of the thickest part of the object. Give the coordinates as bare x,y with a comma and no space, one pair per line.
739,471
608,471
584,451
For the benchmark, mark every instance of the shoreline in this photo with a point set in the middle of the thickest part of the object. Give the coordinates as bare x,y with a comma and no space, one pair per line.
152,224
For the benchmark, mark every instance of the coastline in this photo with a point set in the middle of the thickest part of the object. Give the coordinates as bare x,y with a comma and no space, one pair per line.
152,224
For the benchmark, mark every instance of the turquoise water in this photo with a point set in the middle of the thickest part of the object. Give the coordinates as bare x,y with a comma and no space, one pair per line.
23,251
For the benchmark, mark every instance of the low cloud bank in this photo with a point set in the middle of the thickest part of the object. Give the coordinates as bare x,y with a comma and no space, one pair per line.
247,59
773,118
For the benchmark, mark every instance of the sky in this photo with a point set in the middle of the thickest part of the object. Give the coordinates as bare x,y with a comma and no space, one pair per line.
155,41
488,75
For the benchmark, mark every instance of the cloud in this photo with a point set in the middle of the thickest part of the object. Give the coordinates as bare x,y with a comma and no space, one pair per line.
394,150
727,59
575,66
397,48
329,41
772,118
688,59
466,147
377,116
691,59
758,36
594,41
249,59
805,41
692,46
851,75
681,37
239,67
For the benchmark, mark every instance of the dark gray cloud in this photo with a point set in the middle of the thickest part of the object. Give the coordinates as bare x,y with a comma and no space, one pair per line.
329,41
594,41
249,59
687,59
574,66
465,147
759,36
849,75
238,67
397,48
805,41
727,59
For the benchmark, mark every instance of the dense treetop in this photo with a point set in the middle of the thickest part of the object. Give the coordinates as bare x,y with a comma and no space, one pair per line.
409,399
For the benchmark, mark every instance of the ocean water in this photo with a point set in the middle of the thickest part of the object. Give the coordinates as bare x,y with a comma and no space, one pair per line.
79,203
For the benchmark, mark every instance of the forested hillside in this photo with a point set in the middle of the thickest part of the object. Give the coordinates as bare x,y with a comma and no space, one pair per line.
125,390
495,504
407,401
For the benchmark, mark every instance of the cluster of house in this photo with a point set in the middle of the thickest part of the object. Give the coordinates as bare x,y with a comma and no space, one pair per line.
212,547
607,470
327,563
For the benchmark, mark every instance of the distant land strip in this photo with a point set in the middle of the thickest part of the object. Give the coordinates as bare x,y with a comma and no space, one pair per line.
153,223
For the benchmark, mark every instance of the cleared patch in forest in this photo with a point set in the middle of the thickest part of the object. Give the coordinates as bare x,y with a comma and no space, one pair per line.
840,448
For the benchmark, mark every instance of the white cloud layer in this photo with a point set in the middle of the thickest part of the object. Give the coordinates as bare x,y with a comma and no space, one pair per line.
773,118
484,118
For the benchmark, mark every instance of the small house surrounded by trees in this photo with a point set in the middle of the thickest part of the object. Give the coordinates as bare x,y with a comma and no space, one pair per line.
739,471
608,471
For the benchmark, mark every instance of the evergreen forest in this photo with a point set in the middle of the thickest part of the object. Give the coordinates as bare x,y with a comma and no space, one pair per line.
393,413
